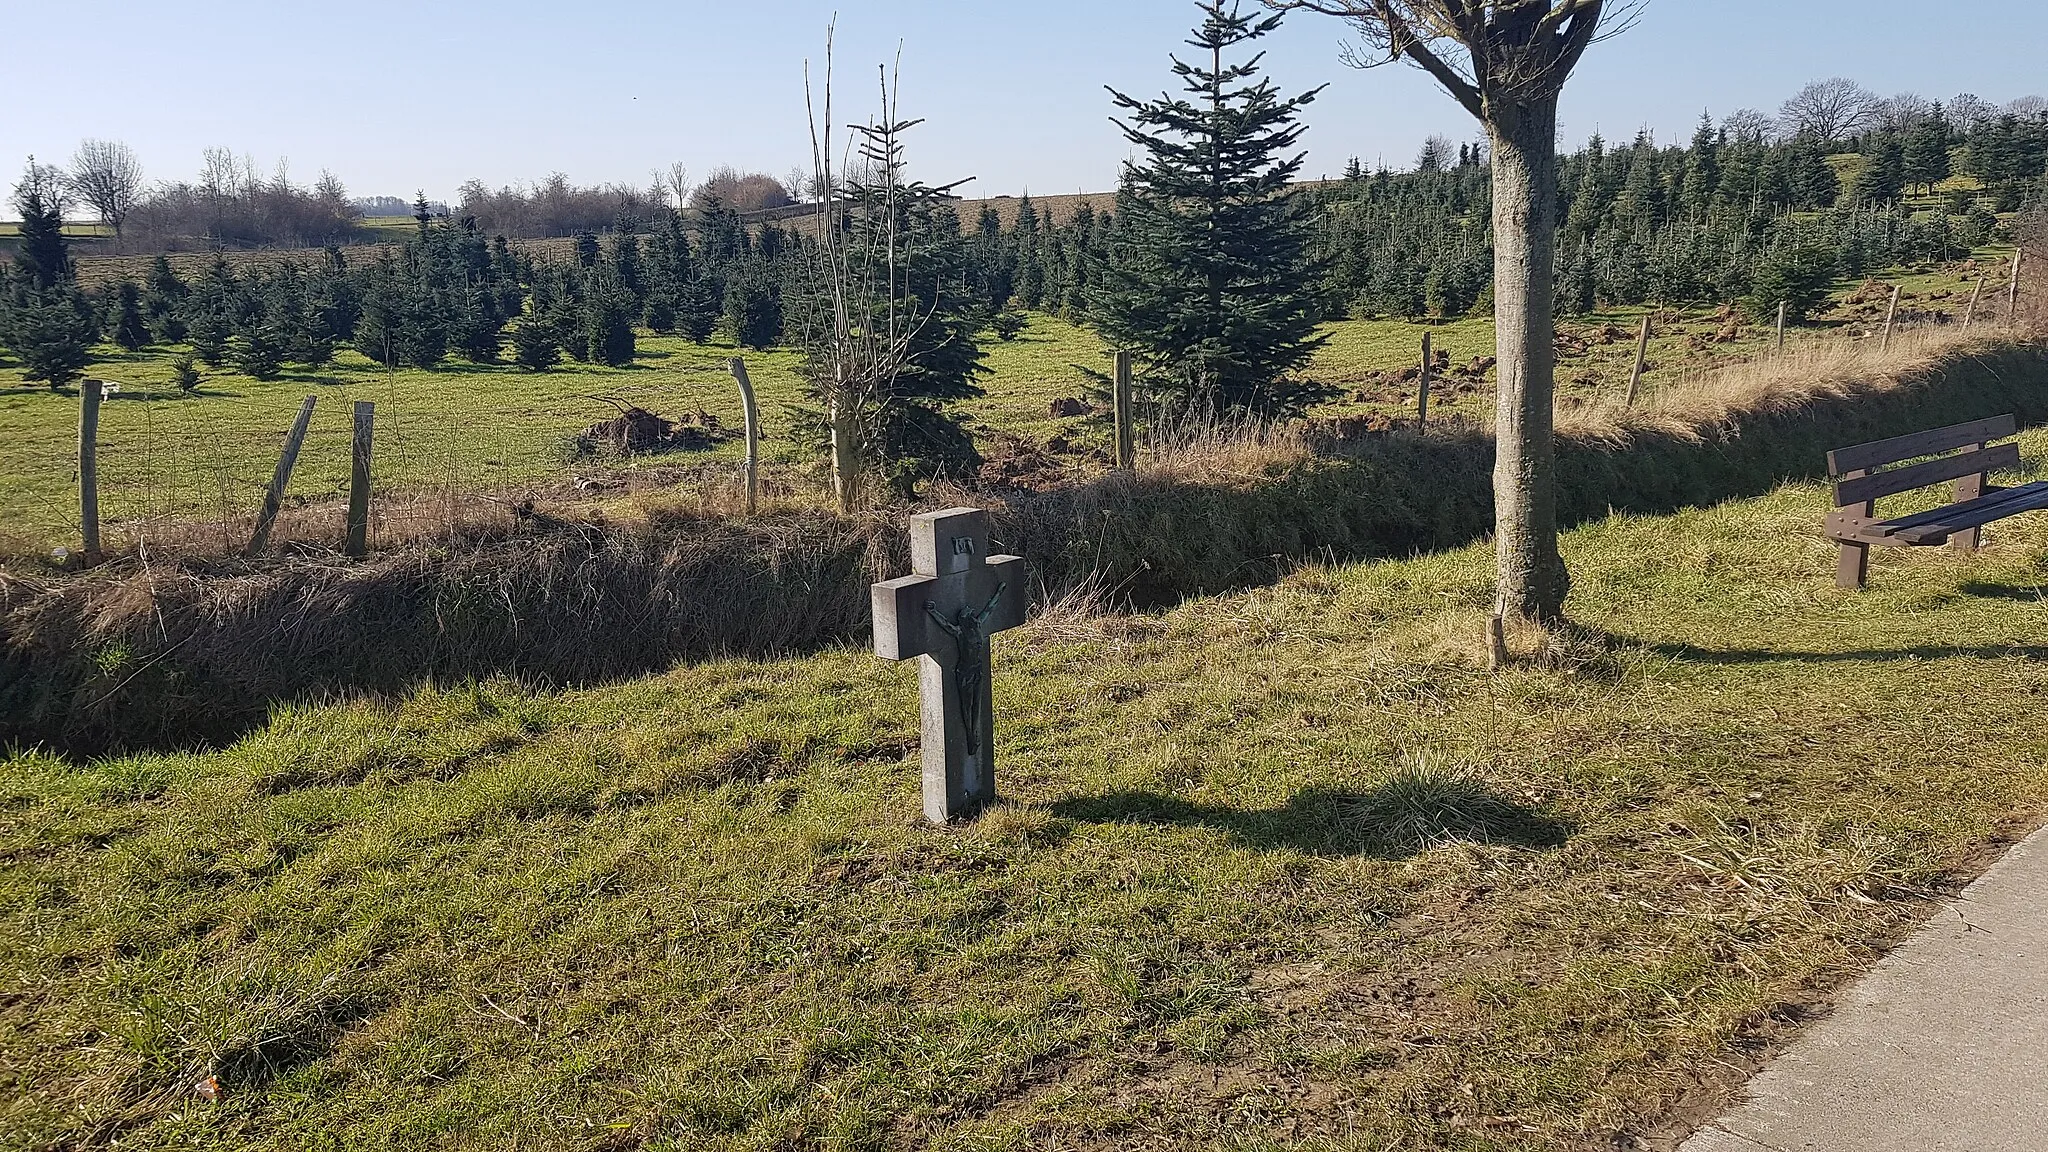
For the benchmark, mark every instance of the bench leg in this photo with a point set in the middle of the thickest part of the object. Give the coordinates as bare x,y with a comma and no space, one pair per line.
1969,488
1854,570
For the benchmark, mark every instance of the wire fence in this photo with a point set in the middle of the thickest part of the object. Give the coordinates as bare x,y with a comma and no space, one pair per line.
183,471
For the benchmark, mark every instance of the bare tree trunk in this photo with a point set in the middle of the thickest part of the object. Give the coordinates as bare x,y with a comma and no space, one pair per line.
1533,580
845,454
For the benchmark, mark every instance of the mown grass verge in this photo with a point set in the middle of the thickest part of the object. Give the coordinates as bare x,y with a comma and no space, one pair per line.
144,654
1285,869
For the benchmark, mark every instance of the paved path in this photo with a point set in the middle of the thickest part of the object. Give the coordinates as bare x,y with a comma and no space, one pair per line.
1942,1048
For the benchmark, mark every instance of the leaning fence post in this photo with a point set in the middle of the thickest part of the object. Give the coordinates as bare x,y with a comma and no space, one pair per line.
1126,446
753,418
273,498
1422,393
1977,294
90,393
2012,291
1891,319
359,481
1635,378
1783,308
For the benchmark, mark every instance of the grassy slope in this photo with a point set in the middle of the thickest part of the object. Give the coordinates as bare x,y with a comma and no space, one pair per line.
463,427
696,912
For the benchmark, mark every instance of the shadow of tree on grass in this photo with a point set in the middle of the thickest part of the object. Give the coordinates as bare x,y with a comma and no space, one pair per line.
1404,817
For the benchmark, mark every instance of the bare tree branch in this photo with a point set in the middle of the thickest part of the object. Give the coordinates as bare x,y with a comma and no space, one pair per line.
1483,52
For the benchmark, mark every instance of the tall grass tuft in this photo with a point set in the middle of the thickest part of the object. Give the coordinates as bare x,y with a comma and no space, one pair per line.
1430,801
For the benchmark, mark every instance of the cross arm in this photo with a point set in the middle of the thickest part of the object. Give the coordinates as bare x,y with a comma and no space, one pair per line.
902,628
1006,573
905,629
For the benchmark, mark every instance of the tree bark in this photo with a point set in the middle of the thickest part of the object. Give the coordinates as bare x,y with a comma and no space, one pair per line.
1533,579
845,454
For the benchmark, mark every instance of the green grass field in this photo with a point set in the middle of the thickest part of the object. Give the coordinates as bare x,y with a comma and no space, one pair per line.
1280,870
206,456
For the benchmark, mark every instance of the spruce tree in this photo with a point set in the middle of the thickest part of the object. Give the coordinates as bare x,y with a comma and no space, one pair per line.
669,271
535,346
698,310
1882,179
1702,169
1813,179
51,335
623,260
211,311
479,328
1212,285
129,330
42,255
608,324
163,297
753,313
1030,274
1795,275
1927,159
258,353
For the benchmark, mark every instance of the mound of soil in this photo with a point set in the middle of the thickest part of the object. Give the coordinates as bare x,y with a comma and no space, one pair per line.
638,432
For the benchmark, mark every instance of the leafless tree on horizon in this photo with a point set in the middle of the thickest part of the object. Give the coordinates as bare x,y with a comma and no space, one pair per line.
106,176
1829,110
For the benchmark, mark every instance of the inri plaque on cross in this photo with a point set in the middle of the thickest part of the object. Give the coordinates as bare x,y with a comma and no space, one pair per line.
943,616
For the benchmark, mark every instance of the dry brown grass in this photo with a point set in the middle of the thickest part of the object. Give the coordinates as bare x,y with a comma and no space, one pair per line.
1810,371
1213,448
175,643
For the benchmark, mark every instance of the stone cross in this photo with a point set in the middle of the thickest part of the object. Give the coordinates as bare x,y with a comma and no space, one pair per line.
943,616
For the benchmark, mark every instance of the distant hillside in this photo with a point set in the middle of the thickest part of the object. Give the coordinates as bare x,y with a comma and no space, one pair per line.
1050,209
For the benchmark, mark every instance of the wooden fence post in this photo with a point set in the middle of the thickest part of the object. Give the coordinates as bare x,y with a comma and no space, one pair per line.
1126,444
753,416
1783,308
358,544
90,392
1635,378
1971,313
273,498
1891,319
2012,291
1422,391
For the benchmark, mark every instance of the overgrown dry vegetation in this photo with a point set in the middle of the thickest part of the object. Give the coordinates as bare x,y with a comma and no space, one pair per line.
1284,869
155,651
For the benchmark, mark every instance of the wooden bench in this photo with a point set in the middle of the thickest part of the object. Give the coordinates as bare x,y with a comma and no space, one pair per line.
1963,453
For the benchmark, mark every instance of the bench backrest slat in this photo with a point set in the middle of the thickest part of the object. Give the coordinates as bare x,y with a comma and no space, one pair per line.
1867,456
1864,489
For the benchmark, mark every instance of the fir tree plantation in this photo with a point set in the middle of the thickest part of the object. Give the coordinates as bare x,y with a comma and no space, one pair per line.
1725,217
1215,265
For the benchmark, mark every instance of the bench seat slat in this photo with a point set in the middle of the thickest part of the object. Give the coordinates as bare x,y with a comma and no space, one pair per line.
1863,489
1867,456
1938,525
1944,515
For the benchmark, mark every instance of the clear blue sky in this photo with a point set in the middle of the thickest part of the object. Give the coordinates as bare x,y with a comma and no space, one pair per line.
604,90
